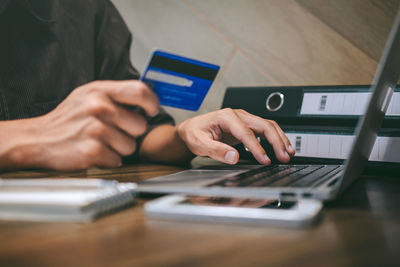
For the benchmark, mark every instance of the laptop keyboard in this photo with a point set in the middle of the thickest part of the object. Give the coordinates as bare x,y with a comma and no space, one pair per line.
281,176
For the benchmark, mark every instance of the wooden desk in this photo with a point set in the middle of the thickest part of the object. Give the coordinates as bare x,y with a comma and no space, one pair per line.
361,228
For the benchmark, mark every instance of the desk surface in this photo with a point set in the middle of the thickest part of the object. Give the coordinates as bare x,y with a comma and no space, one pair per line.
361,228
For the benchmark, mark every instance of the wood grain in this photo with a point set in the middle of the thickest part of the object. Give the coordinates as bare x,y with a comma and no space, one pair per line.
365,23
264,42
285,43
359,229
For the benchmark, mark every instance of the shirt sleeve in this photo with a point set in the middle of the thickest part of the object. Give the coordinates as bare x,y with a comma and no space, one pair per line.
113,42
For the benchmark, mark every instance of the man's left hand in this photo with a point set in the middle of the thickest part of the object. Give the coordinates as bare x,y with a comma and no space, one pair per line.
213,134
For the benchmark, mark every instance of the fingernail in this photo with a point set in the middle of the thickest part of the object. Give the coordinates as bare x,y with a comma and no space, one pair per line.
120,164
291,148
285,155
230,156
267,159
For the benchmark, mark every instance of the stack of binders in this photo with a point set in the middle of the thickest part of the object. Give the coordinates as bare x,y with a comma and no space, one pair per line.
320,120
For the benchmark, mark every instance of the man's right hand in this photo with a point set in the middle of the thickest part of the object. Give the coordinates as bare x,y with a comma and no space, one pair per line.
90,128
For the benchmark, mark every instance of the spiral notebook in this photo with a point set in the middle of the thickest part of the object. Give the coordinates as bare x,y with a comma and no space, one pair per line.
76,200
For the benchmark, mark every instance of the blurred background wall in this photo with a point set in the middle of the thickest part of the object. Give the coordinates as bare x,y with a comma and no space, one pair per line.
264,42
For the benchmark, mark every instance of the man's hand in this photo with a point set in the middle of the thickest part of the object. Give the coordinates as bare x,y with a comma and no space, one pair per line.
213,135
89,128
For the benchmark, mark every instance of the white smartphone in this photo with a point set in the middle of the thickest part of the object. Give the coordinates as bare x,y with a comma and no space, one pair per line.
303,212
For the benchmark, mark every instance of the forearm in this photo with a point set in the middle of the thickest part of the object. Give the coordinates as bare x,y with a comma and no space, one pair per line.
163,144
18,148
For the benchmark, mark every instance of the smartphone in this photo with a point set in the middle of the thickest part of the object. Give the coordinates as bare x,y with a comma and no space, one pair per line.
302,212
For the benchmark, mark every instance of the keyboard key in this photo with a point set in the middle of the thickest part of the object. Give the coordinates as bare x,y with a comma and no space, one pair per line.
278,176
288,180
235,179
333,173
314,176
255,176
260,177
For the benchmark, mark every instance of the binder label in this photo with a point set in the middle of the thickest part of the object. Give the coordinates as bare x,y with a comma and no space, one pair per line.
337,146
345,103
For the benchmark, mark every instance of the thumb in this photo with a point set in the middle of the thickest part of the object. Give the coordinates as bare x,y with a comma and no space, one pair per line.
222,152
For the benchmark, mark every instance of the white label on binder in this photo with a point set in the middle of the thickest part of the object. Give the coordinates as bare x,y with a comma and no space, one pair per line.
394,106
387,99
345,103
336,146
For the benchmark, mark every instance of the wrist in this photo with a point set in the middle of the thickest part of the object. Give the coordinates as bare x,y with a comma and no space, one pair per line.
19,148
179,132
164,144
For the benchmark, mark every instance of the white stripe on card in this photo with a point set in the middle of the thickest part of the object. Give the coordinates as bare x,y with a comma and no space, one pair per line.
167,78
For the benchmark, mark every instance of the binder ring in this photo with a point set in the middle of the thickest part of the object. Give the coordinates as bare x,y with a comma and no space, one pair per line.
274,101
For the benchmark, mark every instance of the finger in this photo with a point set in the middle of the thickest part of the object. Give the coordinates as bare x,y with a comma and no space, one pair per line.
285,139
108,159
231,123
133,93
129,122
216,150
275,140
269,131
96,153
118,141
100,132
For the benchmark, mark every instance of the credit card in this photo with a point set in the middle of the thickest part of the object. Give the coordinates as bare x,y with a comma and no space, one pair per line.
178,81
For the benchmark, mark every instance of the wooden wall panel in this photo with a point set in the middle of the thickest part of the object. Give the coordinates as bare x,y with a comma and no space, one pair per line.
264,42
365,23
286,43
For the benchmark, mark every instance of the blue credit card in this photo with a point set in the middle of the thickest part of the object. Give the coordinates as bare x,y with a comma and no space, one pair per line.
178,81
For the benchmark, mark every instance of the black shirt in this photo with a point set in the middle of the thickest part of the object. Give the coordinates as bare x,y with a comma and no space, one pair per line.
50,47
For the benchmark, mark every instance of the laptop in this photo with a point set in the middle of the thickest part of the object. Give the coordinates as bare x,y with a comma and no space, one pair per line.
285,181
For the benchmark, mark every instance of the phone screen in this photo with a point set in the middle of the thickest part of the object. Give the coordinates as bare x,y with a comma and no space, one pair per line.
238,202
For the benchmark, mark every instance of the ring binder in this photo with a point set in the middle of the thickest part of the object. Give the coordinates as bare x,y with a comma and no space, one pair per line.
317,113
275,101
311,105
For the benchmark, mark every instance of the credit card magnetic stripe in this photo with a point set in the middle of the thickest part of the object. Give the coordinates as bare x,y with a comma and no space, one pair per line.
185,66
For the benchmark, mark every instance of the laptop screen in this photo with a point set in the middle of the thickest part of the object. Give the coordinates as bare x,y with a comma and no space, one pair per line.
385,81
